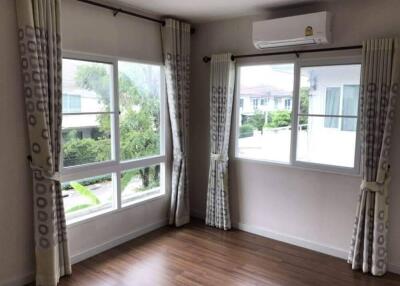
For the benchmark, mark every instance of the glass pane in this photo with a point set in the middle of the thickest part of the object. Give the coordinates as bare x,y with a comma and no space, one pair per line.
266,93
331,146
88,195
86,139
87,85
139,99
140,183
350,99
320,82
332,105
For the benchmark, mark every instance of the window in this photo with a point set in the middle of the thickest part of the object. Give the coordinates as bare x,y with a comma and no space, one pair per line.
71,103
266,134
324,117
255,103
264,101
332,105
113,145
87,132
288,104
350,106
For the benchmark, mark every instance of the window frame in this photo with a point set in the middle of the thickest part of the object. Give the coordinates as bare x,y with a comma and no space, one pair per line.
298,62
115,166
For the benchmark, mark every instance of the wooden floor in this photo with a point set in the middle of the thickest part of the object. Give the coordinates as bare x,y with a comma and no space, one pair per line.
198,255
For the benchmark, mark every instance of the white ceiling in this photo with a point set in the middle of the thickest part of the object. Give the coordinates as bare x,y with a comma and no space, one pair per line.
207,10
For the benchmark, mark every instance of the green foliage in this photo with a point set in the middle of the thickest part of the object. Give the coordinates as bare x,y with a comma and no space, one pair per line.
78,208
279,118
86,150
246,130
126,179
139,121
149,176
304,104
95,78
257,120
89,181
85,192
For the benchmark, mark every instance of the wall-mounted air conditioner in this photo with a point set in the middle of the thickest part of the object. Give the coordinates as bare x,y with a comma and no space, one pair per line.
305,29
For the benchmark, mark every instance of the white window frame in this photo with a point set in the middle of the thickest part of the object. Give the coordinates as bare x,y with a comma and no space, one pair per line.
298,62
115,166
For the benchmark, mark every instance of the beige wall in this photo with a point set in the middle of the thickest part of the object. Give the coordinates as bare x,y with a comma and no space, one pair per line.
306,207
85,29
16,254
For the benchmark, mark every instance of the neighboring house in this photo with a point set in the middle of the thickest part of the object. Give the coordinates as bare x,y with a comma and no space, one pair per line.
334,92
77,100
263,98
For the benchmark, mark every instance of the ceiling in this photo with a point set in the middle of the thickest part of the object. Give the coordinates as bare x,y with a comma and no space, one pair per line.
197,11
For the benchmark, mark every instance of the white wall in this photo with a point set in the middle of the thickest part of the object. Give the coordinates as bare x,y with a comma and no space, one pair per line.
311,208
91,30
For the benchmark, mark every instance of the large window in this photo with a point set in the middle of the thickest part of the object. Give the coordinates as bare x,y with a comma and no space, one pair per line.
113,144
313,121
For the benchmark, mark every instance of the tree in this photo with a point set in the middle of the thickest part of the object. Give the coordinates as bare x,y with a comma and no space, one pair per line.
139,119
257,120
279,118
304,104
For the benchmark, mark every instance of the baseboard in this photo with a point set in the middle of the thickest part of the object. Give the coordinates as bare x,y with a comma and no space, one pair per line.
23,280
117,241
197,214
394,268
28,278
312,245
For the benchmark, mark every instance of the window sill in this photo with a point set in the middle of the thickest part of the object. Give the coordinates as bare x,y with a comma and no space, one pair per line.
313,167
98,215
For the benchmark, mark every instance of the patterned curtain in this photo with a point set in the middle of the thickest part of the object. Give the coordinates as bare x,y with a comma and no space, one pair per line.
40,52
221,101
379,89
176,50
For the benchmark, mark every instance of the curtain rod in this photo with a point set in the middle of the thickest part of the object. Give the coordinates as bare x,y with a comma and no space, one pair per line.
297,53
119,10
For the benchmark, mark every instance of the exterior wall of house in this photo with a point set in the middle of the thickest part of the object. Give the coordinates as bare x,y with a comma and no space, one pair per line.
328,78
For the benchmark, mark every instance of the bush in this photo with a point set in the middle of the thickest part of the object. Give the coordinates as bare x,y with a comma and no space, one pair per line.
88,182
86,150
246,130
279,118
257,120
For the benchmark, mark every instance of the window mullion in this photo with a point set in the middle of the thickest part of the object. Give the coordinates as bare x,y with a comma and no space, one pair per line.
295,112
116,133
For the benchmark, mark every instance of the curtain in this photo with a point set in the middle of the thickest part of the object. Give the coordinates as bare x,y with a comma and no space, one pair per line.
379,89
40,53
221,101
176,50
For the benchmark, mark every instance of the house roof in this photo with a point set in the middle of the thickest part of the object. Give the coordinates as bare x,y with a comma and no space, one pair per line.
263,91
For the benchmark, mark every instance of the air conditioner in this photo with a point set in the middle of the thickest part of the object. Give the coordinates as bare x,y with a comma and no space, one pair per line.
308,29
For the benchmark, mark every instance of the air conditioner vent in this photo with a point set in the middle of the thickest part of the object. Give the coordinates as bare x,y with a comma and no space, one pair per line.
309,29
